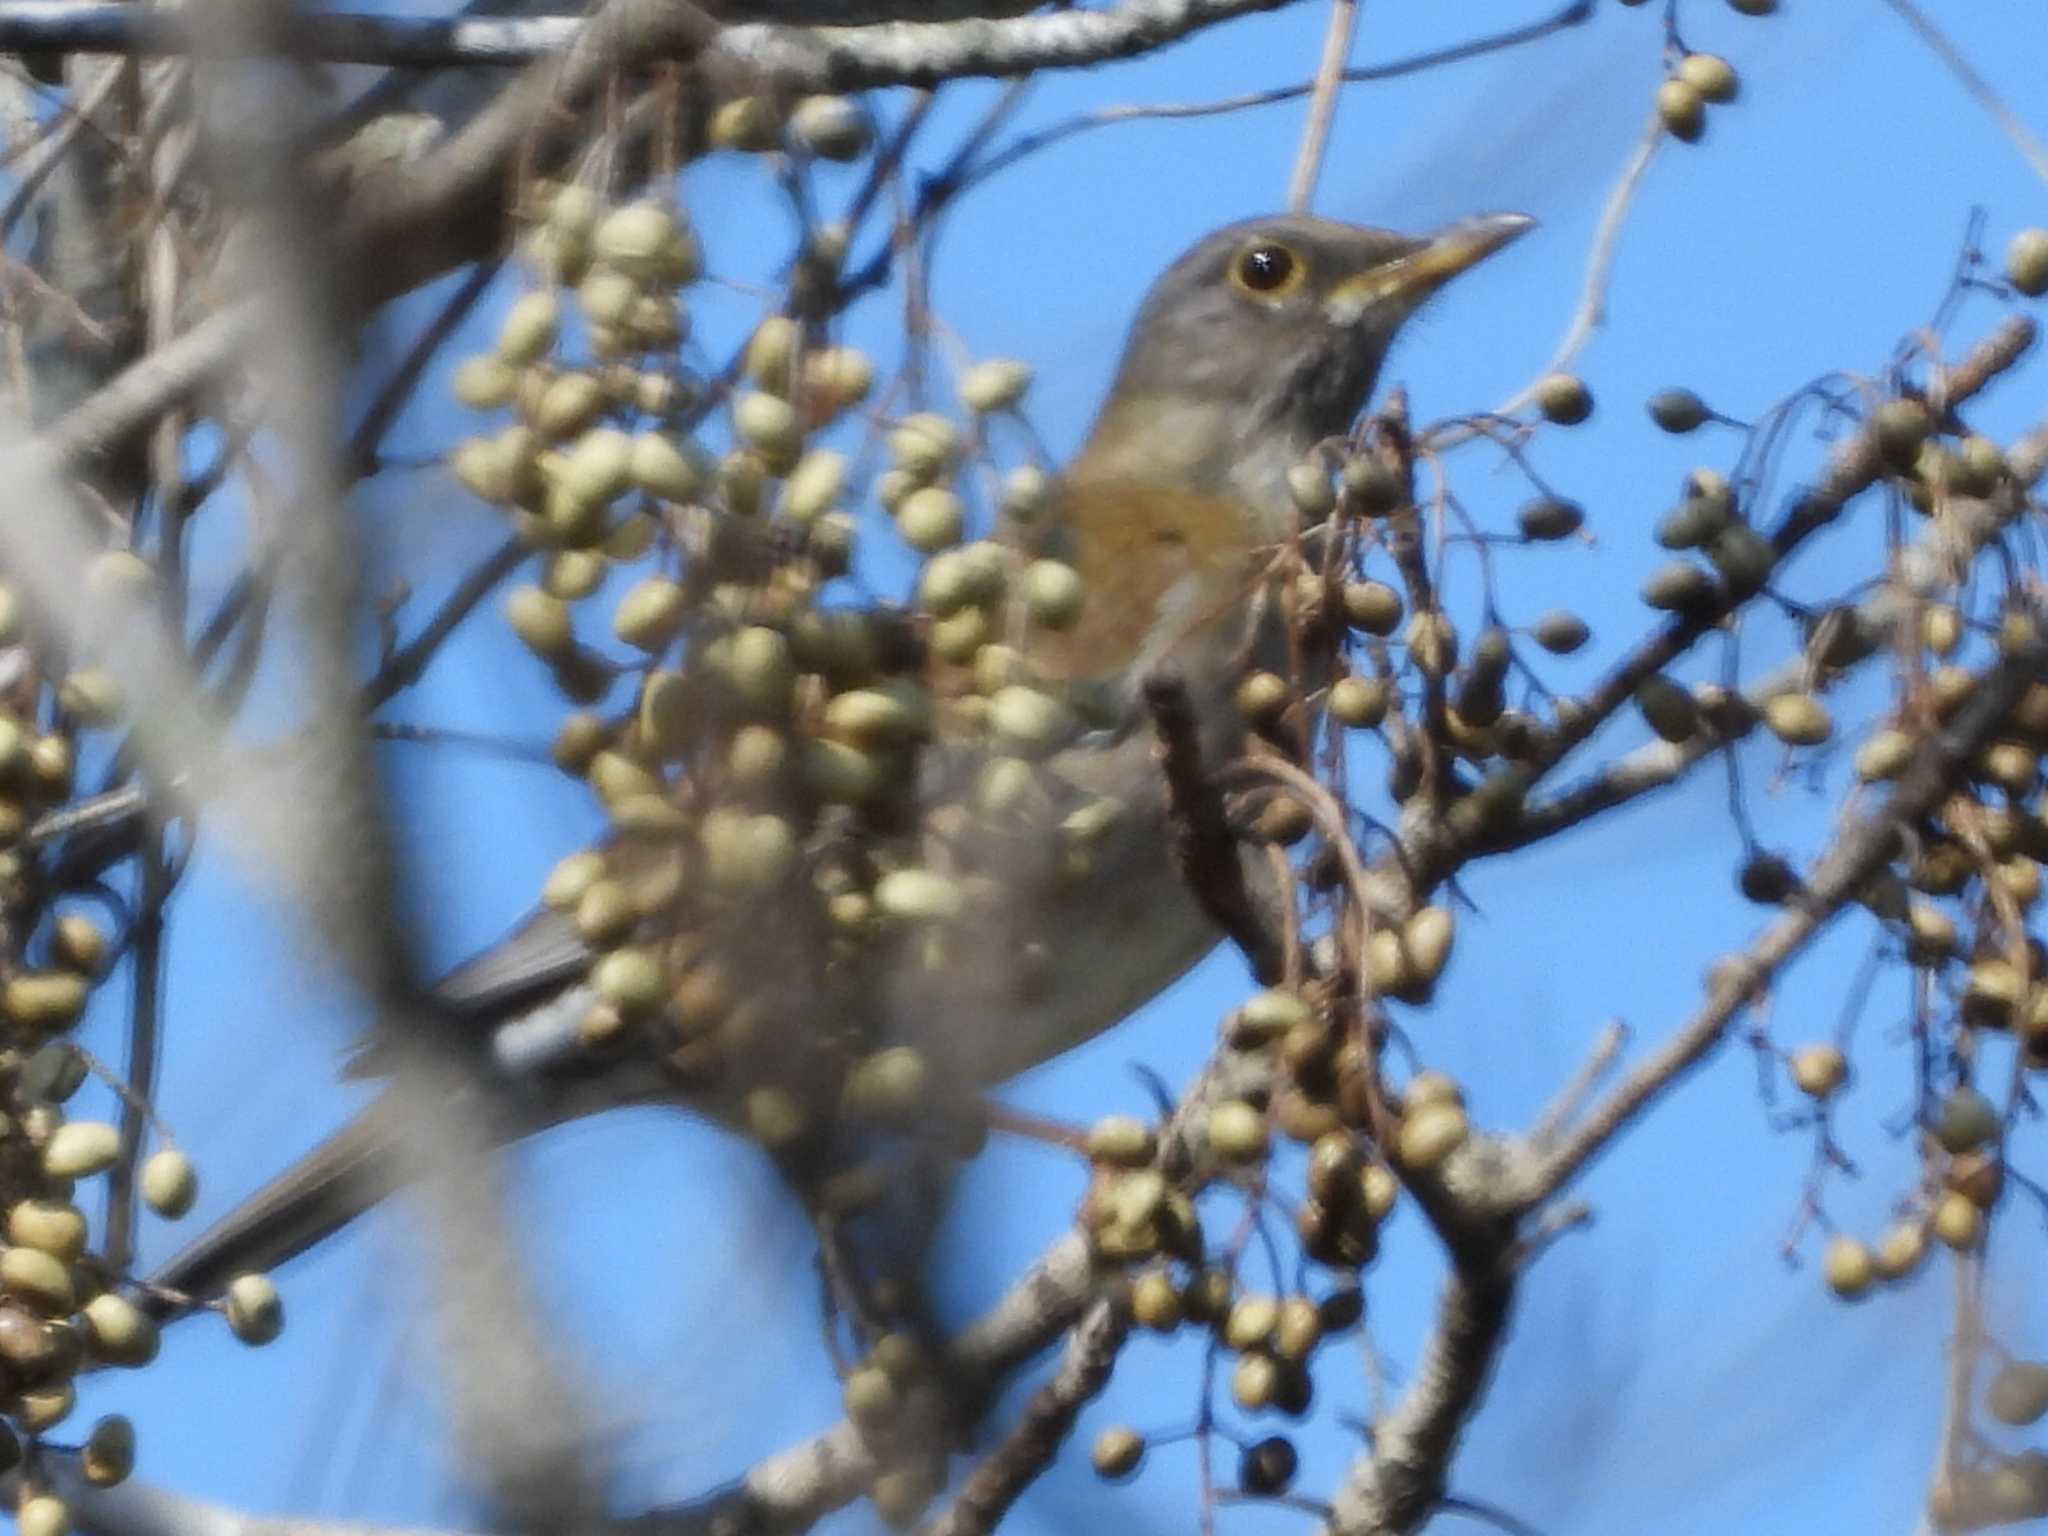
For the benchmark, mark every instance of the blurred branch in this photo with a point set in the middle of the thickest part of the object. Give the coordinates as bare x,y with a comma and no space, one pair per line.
115,808
136,1508
519,1424
169,376
48,150
2010,123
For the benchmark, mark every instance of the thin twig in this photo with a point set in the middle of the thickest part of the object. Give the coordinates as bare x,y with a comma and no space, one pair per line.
145,1023
1951,542
398,389
115,808
1571,1098
1592,305
1965,1344
403,667
1591,308
1330,823
1044,138
511,748
1322,104
1853,467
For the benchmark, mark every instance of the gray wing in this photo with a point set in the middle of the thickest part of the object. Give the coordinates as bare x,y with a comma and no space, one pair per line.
536,959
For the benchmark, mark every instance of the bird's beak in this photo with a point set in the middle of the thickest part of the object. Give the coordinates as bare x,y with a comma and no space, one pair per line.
1410,278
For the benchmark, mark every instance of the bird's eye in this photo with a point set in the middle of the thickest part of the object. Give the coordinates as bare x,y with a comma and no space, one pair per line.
1267,268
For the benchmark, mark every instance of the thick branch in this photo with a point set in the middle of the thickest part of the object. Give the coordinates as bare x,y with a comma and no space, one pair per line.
407,226
91,26
1396,1484
838,58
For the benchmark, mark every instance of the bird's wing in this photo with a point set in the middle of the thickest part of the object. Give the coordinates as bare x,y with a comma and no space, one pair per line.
531,966
537,958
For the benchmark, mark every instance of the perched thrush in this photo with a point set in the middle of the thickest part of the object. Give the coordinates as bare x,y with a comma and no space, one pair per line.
1259,344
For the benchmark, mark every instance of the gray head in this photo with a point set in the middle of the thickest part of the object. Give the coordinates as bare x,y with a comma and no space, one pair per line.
1282,322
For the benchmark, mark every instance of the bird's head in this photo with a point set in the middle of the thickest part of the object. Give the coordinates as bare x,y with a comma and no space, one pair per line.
1267,336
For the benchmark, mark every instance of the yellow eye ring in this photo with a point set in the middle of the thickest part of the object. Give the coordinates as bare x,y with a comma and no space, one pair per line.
1267,269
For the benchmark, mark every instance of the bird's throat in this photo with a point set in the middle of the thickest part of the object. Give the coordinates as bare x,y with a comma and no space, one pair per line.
1192,443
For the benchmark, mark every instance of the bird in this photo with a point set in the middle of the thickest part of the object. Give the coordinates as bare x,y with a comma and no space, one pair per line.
1260,343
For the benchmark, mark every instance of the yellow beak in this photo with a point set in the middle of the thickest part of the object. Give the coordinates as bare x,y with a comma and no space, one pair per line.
1414,277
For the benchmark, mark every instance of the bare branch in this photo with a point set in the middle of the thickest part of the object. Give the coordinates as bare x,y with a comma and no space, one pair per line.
1861,850
1570,15
1949,545
1396,1484
820,58
1571,1098
404,666
1852,469
1048,1419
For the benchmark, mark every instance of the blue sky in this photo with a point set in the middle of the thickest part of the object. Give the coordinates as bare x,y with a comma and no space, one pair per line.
1668,1370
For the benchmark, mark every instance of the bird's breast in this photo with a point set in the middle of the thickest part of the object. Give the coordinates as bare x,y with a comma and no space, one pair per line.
1171,574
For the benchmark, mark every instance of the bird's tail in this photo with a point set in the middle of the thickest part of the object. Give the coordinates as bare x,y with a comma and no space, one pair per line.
317,1196
526,977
